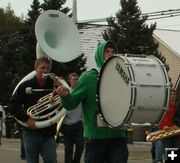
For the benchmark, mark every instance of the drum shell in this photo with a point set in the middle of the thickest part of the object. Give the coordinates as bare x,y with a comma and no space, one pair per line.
133,90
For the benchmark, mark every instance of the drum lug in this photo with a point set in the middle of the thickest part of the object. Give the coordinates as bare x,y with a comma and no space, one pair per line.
100,121
97,98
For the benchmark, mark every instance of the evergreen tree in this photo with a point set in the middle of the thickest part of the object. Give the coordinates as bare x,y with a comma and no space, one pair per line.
9,23
130,31
10,59
56,5
28,34
34,12
18,50
77,65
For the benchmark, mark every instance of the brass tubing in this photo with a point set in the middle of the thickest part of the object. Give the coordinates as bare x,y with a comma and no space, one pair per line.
162,134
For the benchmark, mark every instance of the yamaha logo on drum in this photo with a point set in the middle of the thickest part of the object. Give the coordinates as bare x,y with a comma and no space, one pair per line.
54,15
123,74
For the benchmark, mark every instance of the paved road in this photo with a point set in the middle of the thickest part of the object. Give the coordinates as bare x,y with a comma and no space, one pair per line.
10,151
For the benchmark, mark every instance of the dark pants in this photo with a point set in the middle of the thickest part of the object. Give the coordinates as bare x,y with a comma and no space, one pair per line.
73,136
106,150
172,142
22,148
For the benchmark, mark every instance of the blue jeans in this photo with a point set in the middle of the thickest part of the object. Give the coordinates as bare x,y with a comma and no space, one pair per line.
106,150
36,144
158,148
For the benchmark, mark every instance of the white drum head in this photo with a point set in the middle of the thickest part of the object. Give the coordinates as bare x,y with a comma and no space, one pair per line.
114,91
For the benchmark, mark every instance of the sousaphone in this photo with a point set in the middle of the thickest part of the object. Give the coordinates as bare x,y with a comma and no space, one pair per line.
57,38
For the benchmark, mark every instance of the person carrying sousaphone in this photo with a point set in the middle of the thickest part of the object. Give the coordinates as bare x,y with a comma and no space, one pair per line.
102,144
37,141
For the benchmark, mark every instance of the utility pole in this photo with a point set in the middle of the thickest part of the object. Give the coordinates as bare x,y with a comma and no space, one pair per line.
74,14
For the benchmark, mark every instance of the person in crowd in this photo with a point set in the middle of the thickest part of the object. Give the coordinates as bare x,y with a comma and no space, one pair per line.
176,119
1,117
102,144
72,129
167,123
37,141
157,148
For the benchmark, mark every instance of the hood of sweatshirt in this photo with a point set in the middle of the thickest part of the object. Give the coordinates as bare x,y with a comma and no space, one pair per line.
99,55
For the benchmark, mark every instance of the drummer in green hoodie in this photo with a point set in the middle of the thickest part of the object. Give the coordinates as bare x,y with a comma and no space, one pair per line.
103,144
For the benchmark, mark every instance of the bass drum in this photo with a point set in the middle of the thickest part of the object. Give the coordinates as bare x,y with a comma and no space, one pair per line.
133,90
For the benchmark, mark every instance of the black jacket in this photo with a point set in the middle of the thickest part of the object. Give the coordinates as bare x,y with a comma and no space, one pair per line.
21,101
176,117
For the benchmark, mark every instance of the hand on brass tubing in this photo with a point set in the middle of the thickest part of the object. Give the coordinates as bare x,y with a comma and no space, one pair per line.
31,124
62,91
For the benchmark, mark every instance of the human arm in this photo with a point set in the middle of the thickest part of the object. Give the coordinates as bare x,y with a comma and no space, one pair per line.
16,108
71,100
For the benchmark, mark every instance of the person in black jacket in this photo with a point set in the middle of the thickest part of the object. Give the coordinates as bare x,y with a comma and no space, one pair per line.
36,141
176,117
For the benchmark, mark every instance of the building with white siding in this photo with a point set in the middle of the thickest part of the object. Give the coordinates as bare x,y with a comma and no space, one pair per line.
169,46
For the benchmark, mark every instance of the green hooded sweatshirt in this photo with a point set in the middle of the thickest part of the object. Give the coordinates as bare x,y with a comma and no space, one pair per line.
85,92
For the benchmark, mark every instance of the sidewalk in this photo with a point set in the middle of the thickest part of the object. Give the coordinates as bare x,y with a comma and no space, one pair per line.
139,152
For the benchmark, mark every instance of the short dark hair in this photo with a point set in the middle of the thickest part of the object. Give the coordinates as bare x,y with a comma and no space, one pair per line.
110,44
42,60
73,74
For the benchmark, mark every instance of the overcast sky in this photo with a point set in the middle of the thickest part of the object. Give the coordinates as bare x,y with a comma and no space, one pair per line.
92,9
